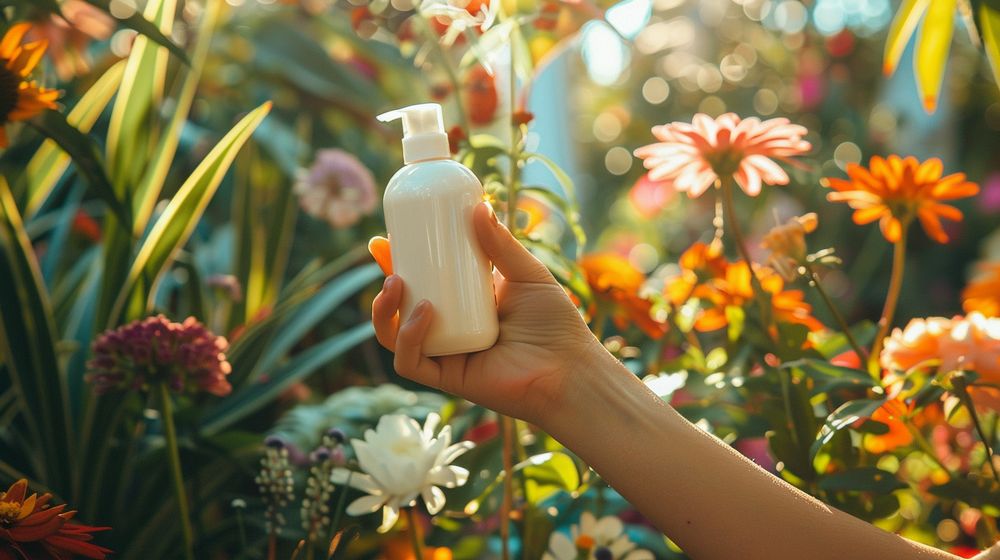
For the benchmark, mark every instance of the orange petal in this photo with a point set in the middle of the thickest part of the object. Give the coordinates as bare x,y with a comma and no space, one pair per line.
891,228
869,215
946,212
381,250
12,39
27,58
929,171
932,225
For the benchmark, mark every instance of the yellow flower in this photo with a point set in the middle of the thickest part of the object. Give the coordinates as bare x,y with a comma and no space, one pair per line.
787,243
895,190
615,281
20,98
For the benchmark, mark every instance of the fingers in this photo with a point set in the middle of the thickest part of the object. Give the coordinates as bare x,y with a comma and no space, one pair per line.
380,250
410,361
506,252
384,308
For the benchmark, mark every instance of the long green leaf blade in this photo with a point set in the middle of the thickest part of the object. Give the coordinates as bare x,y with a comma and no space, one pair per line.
28,344
137,23
50,161
173,228
84,153
255,396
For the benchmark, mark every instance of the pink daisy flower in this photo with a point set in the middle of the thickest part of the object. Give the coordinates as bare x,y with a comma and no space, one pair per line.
693,157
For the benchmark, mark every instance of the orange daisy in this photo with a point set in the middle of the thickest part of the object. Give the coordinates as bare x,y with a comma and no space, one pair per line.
735,289
20,98
614,280
983,293
893,413
699,263
896,190
31,528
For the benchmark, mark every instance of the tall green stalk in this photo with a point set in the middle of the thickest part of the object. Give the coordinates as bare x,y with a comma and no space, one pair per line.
962,390
892,298
177,475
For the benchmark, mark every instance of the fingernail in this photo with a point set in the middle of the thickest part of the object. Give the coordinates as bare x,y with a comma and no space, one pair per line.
419,309
493,214
390,281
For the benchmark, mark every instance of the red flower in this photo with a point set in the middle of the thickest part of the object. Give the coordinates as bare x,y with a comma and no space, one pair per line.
32,529
480,96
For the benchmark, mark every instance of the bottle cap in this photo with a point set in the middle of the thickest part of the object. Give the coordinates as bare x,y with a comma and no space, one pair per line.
423,132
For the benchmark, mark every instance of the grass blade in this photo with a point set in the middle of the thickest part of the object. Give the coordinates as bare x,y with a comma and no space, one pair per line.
28,344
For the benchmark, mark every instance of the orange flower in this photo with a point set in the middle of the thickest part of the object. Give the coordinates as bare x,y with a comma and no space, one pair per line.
33,529
896,190
615,281
21,99
535,212
400,548
699,263
787,243
735,289
894,415
695,156
938,344
983,293
480,97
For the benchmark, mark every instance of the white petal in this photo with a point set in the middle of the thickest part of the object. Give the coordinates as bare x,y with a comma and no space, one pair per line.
390,514
365,505
620,547
456,451
361,481
607,529
640,554
434,498
587,523
431,424
449,477
561,547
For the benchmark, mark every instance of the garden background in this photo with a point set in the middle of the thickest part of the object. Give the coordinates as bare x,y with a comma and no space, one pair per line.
188,188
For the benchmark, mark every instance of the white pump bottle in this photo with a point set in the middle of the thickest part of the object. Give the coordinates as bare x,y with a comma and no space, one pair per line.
428,213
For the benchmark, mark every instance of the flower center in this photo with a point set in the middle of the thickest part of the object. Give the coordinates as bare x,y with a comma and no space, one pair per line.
724,160
9,511
603,553
9,88
585,542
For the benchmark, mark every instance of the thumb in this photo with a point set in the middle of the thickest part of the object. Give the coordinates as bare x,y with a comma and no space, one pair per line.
379,248
515,262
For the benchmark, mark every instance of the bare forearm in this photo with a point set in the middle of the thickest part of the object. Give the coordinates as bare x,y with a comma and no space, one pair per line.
712,501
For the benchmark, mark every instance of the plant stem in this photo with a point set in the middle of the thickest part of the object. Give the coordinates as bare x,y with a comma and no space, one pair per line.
925,446
508,430
338,512
814,282
959,382
415,540
729,210
456,85
892,298
173,454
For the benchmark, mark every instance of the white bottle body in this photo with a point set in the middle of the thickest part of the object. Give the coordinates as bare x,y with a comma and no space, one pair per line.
428,213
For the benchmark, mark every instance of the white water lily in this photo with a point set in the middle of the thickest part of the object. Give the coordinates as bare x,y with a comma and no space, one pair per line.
401,461
597,539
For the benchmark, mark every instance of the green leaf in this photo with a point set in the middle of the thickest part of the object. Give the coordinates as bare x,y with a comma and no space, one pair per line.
173,228
569,212
148,190
902,28
989,27
844,417
131,131
551,473
254,396
50,161
569,190
84,152
281,48
137,23
28,347
828,377
863,479
977,492
315,310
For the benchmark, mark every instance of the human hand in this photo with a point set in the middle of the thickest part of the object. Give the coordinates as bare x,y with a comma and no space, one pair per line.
542,338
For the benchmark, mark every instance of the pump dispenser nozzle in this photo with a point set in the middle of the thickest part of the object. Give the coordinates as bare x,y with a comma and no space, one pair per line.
423,132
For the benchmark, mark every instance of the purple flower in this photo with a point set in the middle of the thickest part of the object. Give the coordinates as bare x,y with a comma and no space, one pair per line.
186,356
337,188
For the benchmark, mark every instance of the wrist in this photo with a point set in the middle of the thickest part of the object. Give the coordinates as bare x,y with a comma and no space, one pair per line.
596,384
